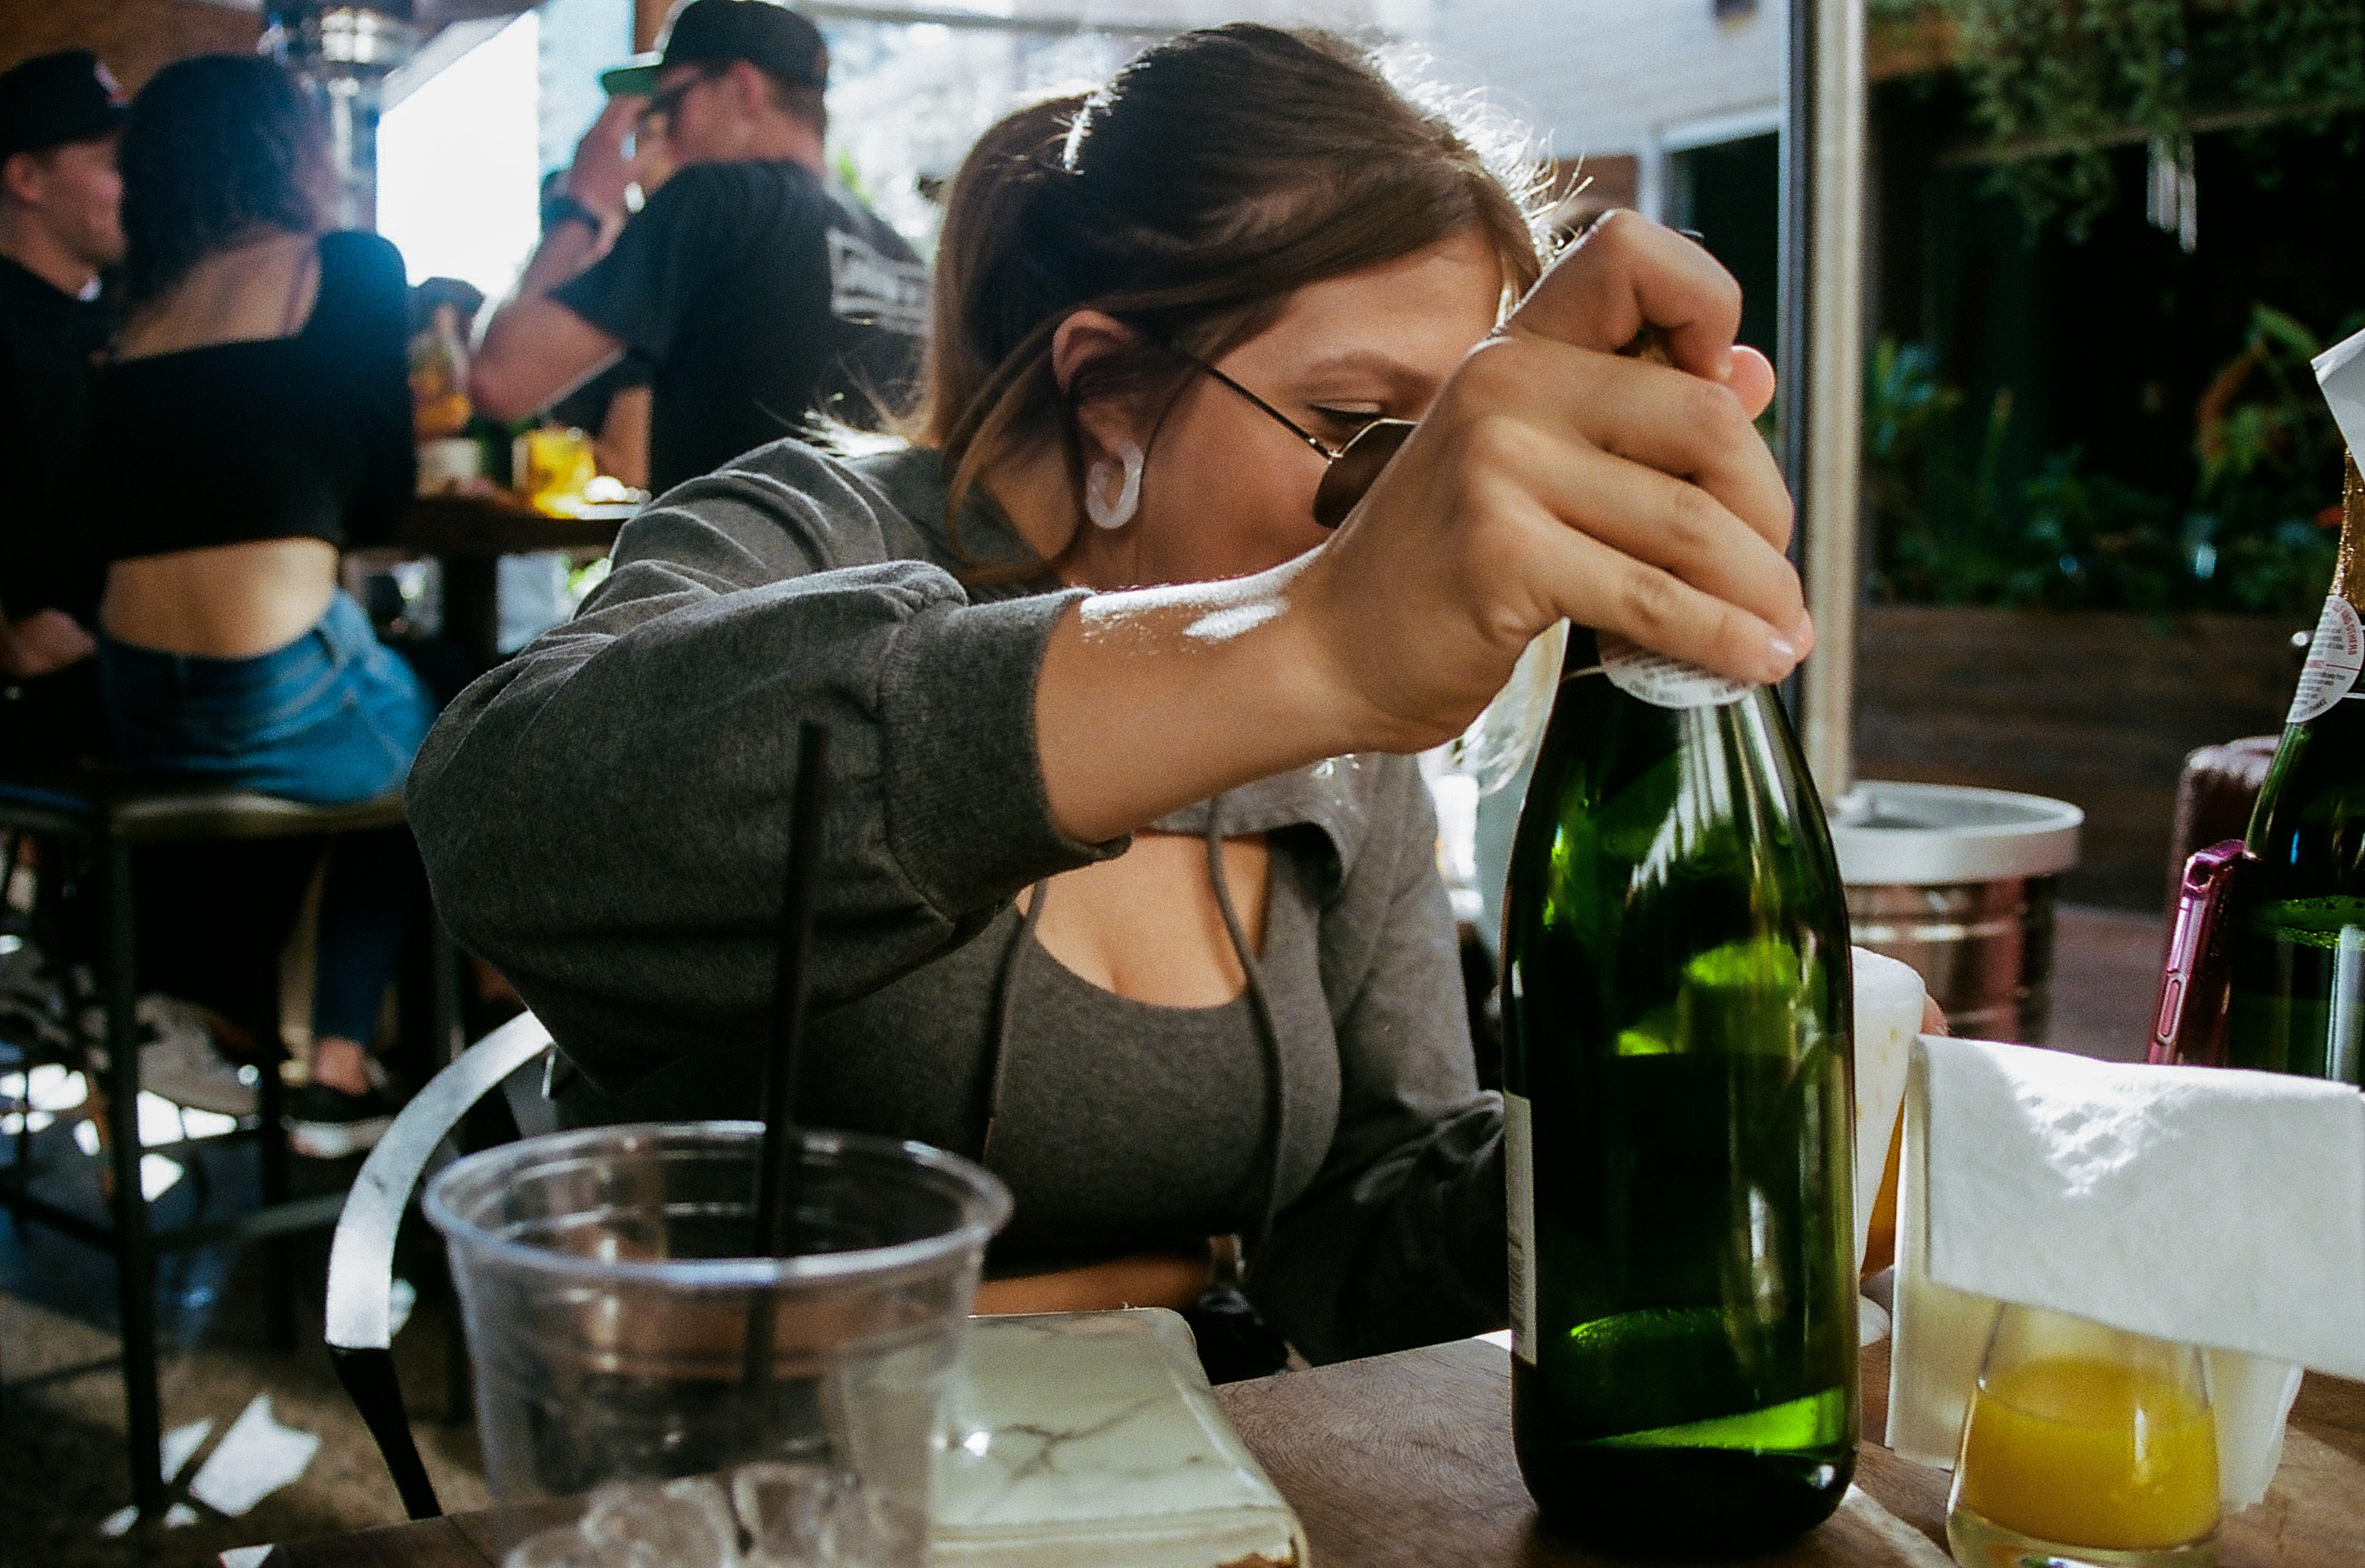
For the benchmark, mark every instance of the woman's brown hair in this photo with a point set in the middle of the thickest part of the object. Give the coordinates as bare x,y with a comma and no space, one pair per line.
218,148
1216,175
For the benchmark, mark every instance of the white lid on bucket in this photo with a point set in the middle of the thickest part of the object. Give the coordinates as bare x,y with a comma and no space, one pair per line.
1926,835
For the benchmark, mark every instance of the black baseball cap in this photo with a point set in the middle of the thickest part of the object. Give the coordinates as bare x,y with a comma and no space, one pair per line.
765,35
52,100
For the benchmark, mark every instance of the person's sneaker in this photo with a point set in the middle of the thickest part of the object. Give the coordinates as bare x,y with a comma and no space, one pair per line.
328,1123
36,1011
182,1063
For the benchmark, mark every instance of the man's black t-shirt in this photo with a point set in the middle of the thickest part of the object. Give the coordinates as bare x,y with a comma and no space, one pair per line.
759,295
48,559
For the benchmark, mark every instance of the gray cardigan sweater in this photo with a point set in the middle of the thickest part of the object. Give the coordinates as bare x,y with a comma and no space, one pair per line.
604,819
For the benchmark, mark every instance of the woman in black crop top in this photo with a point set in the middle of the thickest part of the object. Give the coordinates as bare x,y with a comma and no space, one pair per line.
255,422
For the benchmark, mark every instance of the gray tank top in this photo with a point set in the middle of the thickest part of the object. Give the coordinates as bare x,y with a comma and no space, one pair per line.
1120,1126
1175,1076
1194,1086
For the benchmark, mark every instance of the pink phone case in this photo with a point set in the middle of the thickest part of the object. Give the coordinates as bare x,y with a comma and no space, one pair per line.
2188,1021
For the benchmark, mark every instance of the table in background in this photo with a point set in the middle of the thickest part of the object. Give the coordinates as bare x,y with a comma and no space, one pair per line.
1404,1462
468,533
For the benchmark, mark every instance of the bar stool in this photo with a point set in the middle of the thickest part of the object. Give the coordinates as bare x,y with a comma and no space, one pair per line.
99,816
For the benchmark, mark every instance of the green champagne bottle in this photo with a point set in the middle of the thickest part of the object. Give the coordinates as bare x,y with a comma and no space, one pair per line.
2295,933
1679,1109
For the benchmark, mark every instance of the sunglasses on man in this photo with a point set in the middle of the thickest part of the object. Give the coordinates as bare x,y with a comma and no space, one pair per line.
662,103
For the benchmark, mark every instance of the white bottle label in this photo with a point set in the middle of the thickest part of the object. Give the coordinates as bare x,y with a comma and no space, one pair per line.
1519,1212
1661,681
2334,660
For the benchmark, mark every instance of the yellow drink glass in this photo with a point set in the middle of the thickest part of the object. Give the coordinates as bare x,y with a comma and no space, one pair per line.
2089,1444
552,466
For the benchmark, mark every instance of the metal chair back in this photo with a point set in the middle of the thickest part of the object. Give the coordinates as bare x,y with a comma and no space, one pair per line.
361,1258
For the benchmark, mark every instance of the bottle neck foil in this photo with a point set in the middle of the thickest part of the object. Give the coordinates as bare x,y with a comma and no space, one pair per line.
2349,571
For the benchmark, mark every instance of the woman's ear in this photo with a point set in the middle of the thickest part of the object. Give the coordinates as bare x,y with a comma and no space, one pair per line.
1086,336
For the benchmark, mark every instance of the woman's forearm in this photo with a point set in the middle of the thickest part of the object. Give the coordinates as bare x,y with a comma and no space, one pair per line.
1152,699
42,644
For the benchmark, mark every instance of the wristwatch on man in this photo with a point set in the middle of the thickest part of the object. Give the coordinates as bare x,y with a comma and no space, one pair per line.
559,206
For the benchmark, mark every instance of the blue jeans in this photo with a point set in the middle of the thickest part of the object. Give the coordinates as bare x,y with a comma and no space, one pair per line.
333,718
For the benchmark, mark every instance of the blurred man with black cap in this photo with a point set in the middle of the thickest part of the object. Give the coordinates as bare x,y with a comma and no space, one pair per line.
59,224
758,292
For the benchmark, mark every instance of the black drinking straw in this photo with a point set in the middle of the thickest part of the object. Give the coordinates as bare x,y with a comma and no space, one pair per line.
776,1180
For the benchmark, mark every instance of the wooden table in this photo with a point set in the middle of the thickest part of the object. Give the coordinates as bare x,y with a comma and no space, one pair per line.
468,532
1404,1462
1406,1459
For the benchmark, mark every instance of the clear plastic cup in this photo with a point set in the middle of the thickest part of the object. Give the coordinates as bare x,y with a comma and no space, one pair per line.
647,1390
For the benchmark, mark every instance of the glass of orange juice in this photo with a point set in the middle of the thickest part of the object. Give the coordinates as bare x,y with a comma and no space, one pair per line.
2085,1443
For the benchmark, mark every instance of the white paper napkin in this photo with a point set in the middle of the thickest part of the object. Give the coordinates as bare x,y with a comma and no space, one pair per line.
2198,1205
1888,997
2340,371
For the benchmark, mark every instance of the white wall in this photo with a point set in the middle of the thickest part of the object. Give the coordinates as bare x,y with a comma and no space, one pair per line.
457,165
1641,76
579,40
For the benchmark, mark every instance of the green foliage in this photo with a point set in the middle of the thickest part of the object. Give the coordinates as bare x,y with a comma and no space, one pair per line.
847,172
2261,506
2257,534
1904,406
2066,79
2093,542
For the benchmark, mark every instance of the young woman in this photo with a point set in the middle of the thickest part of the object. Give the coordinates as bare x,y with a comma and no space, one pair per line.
255,420
1093,601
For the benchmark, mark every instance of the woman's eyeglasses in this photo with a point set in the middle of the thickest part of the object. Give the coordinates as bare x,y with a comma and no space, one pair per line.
1353,468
